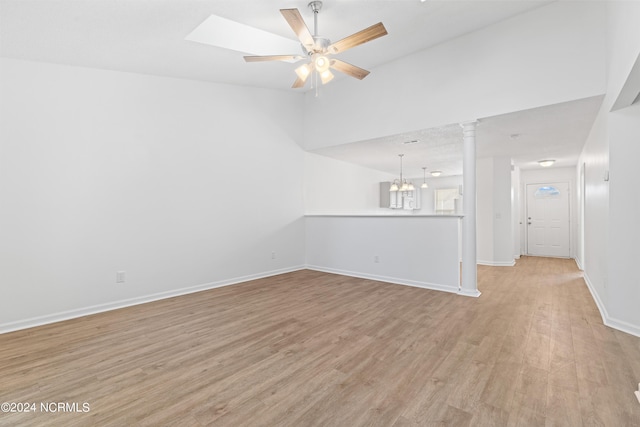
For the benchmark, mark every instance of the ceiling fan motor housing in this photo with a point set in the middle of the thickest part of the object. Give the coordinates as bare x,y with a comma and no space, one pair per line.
320,44
315,6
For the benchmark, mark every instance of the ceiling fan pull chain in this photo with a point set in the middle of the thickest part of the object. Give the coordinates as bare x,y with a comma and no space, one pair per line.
315,82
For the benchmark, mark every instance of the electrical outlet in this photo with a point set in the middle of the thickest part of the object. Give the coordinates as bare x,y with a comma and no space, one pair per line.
376,259
120,276
273,255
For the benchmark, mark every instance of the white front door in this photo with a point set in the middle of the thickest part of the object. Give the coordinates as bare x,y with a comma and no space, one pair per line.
548,219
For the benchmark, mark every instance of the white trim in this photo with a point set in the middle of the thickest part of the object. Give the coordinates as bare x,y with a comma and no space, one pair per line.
393,280
596,298
623,326
72,314
467,293
100,308
381,215
497,264
620,325
579,264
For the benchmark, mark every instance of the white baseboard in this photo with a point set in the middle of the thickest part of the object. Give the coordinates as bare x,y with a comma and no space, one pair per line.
606,319
100,308
579,264
596,298
394,280
623,326
498,264
475,293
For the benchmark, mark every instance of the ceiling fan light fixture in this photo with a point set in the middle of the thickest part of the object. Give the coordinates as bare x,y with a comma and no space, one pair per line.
321,63
326,76
303,71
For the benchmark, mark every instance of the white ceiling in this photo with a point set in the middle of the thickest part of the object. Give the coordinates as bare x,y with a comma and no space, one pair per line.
555,132
148,37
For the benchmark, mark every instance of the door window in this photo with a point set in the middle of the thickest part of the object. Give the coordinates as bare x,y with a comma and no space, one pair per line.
546,192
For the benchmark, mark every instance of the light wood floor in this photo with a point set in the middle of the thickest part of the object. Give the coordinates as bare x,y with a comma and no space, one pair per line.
309,348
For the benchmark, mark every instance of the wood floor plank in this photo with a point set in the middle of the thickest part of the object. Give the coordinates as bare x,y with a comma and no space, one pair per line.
310,348
489,416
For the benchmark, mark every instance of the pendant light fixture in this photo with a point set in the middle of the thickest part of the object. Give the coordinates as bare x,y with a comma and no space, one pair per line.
424,178
402,184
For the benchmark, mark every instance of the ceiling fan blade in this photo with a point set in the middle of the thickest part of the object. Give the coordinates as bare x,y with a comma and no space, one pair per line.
298,83
366,35
295,21
351,70
273,58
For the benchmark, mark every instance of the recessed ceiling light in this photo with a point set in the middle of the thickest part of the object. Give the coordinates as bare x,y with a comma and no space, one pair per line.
546,163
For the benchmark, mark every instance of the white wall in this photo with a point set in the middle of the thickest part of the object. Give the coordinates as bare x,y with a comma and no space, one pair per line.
178,183
595,156
549,175
611,209
335,187
412,250
516,215
493,212
502,213
624,212
546,56
484,210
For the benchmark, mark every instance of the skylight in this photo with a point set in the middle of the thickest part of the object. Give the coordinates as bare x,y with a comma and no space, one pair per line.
227,34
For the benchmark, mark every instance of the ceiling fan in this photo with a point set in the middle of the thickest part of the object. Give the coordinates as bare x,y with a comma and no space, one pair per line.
318,49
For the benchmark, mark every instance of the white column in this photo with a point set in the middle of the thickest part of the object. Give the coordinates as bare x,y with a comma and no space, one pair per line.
469,285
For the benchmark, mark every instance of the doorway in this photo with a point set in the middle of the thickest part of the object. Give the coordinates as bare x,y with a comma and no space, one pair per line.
548,219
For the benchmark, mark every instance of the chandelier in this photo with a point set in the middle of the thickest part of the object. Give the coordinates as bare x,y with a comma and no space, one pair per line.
401,184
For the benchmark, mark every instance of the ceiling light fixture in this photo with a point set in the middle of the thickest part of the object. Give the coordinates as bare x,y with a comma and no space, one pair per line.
424,178
436,173
318,49
319,61
546,163
401,184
